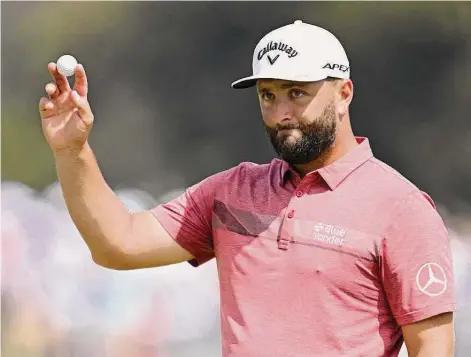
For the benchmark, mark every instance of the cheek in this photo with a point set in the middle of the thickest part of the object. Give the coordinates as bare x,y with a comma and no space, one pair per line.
267,116
313,109
316,108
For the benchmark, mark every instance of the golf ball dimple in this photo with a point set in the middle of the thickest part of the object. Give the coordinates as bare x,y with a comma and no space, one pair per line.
66,65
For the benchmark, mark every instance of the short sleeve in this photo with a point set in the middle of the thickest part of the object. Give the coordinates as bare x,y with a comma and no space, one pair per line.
416,262
187,218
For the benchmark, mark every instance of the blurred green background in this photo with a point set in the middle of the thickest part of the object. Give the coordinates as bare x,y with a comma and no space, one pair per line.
159,84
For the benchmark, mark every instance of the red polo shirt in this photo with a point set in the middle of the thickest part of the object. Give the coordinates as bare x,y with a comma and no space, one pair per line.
330,265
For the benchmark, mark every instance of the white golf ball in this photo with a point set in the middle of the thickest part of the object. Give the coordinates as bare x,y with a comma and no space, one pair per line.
66,65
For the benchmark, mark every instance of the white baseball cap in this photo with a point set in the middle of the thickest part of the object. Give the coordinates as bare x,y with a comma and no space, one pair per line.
298,52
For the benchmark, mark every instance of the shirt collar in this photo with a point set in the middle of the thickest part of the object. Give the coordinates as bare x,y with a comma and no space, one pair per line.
338,171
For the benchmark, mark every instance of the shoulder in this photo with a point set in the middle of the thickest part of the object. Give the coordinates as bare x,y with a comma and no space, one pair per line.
248,171
405,192
410,208
240,177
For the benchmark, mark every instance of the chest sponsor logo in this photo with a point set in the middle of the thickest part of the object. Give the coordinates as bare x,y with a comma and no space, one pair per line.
330,234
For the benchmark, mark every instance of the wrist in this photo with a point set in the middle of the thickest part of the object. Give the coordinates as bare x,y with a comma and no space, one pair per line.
72,153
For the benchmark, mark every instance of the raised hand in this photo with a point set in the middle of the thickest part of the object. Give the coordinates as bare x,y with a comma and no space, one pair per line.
66,116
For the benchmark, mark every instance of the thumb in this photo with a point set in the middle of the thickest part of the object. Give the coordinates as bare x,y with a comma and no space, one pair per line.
83,107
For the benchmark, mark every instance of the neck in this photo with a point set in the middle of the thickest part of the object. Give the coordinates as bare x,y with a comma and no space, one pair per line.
340,148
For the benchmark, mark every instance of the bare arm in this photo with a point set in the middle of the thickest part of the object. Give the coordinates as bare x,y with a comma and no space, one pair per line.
117,239
432,337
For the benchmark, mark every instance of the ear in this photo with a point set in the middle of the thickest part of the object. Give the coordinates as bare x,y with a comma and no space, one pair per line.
345,95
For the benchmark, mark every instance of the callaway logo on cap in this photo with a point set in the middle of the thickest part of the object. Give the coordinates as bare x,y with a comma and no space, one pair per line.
297,52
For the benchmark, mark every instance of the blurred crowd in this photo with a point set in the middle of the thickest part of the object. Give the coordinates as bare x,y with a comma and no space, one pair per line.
57,302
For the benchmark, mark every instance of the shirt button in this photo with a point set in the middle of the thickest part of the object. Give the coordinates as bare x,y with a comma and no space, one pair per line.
291,214
299,193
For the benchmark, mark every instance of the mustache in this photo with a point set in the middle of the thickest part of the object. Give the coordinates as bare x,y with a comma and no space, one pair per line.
290,126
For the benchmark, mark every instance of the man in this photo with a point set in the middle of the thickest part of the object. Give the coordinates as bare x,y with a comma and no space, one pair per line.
326,251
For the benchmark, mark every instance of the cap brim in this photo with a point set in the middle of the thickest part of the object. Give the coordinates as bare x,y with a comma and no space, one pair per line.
246,82
251,81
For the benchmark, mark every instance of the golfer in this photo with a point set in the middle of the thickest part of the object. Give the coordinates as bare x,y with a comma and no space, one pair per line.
324,251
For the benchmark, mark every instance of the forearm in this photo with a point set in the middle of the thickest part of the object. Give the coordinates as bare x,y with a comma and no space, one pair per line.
99,215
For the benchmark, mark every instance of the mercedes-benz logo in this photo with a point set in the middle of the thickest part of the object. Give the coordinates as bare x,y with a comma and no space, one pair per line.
431,279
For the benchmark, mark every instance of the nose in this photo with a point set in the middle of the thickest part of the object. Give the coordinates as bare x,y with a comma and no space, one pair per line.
283,112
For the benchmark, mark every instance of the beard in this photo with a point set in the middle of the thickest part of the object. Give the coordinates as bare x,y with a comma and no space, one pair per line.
317,137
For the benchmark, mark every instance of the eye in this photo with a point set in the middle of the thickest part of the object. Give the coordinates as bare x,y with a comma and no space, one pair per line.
296,93
267,96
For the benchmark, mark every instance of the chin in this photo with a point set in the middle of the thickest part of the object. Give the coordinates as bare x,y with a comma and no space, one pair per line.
290,138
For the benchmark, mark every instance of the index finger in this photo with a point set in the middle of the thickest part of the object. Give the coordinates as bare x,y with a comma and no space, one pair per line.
81,82
61,81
